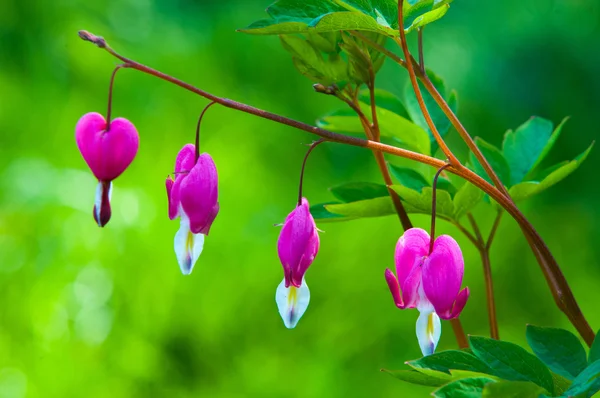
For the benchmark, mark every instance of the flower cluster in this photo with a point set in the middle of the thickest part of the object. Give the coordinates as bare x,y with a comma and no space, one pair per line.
427,277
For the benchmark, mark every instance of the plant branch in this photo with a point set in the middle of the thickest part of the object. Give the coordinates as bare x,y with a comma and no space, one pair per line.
493,230
554,277
487,274
413,79
421,56
459,332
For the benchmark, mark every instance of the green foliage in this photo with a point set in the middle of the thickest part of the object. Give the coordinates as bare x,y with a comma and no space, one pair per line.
391,118
467,197
420,202
496,160
441,121
445,361
551,177
377,16
355,191
587,383
493,368
559,349
463,388
511,362
594,354
364,208
523,150
409,178
512,389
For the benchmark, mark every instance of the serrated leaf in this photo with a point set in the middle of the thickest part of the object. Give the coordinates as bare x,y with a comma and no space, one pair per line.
467,197
444,361
595,350
409,178
364,208
463,388
559,349
355,191
427,18
511,362
421,202
416,377
322,215
512,389
496,160
527,189
522,147
587,382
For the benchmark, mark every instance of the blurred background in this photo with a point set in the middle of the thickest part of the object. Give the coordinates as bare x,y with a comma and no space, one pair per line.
106,312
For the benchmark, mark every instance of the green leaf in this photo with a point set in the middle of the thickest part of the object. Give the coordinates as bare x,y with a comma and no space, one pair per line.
512,389
379,16
549,145
595,349
559,349
511,362
321,214
364,208
437,115
560,383
355,191
467,197
409,178
463,388
421,202
587,382
527,189
496,160
444,361
522,148
415,377
384,99
391,125
427,18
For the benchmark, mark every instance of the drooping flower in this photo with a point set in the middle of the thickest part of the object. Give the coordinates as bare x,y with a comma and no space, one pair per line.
429,282
193,196
108,151
297,247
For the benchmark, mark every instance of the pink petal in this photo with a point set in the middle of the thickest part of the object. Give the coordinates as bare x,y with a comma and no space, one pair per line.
442,274
459,304
199,194
107,153
410,250
298,243
394,288
410,288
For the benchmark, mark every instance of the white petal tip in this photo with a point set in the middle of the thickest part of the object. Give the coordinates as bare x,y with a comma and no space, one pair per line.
292,303
188,247
429,330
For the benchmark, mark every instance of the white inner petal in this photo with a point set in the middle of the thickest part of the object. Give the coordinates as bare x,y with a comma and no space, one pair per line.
429,330
188,246
292,302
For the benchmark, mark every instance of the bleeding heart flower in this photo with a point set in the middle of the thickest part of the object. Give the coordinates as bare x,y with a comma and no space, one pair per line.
297,247
193,196
428,282
108,151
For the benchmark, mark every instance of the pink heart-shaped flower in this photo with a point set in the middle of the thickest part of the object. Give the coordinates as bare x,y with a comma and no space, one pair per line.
107,152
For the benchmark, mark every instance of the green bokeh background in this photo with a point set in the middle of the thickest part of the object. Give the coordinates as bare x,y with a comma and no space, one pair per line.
105,312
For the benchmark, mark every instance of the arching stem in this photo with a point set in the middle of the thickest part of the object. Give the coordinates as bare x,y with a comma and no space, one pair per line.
312,146
198,130
110,93
434,205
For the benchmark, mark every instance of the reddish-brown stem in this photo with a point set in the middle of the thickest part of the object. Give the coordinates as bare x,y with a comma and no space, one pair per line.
421,56
434,206
371,130
487,274
110,94
490,239
459,332
312,146
198,129
413,79
554,277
